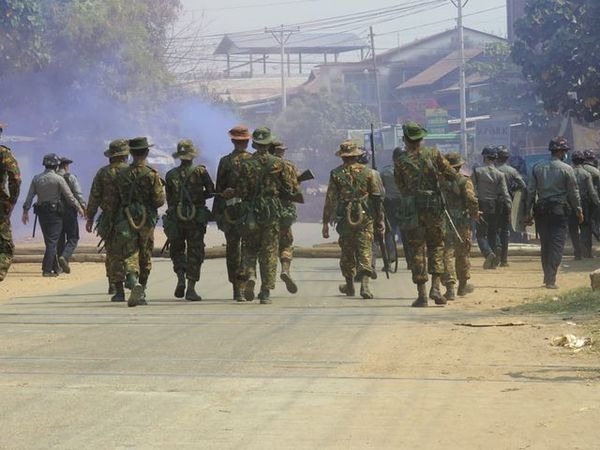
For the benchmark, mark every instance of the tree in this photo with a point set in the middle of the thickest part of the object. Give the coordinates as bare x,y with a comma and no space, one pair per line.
557,47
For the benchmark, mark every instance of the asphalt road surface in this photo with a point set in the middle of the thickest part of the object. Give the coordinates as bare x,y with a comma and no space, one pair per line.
312,371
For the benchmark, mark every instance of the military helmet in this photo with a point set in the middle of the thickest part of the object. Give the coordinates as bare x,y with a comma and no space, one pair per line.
454,159
589,155
502,152
185,150
489,151
51,160
559,143
578,157
118,147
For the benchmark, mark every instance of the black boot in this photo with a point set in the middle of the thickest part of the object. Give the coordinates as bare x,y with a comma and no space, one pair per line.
190,293
119,292
450,294
290,285
237,292
249,290
180,288
365,292
421,300
347,288
264,296
464,288
111,288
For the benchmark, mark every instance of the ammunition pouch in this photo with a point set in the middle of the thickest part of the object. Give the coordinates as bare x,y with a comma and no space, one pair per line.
428,201
258,212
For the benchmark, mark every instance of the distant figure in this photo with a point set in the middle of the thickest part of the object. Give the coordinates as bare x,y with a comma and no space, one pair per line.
552,192
51,189
69,237
10,176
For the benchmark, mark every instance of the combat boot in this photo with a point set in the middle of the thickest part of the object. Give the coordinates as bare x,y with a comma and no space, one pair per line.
119,292
365,292
131,280
142,300
249,290
347,288
111,288
434,292
137,290
237,292
464,288
264,297
180,288
489,262
190,293
421,300
64,264
450,293
290,285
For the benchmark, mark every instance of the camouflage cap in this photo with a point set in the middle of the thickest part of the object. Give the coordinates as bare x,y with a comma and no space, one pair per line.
454,159
185,150
139,143
278,145
347,149
489,151
559,143
578,156
118,147
263,136
240,133
51,159
414,131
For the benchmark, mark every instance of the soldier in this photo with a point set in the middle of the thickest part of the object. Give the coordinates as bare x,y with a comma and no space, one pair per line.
104,195
581,233
9,176
353,201
462,207
226,206
140,192
187,188
418,171
69,237
261,186
494,201
514,183
554,185
51,189
288,217
591,165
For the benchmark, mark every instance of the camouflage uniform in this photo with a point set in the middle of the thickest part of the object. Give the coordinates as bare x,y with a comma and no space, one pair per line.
9,174
354,201
141,193
187,188
462,205
261,185
418,175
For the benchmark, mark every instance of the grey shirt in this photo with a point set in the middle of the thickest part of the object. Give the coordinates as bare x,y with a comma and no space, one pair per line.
49,187
595,173
490,186
553,180
389,183
514,180
73,184
587,191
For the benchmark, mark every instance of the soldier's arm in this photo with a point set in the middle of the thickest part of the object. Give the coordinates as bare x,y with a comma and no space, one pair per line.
518,180
76,189
30,195
573,190
242,180
158,193
531,193
221,177
208,185
504,195
399,179
444,167
470,198
330,201
67,194
95,197
14,177
593,194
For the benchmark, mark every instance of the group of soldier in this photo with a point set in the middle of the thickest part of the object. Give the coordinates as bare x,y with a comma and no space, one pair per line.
423,193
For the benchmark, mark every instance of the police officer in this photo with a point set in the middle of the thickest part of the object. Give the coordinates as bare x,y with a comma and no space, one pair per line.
591,166
494,201
581,234
551,193
11,176
514,183
50,188
69,236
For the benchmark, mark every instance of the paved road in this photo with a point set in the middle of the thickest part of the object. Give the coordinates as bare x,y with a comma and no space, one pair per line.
311,372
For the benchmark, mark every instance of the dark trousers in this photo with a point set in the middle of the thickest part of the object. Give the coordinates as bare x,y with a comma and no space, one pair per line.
503,236
69,237
487,233
552,229
51,224
581,237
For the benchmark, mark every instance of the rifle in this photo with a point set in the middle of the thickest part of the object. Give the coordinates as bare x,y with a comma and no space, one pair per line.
307,175
445,207
380,236
166,246
34,225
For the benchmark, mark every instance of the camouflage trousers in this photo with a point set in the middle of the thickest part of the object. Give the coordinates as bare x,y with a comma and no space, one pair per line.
286,243
140,261
187,249
263,246
426,243
233,254
7,248
115,268
357,251
457,260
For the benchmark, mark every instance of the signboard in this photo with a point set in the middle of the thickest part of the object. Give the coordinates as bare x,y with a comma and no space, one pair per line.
492,132
437,120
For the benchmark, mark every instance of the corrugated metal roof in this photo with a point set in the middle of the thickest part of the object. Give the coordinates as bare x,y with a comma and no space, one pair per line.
315,43
440,69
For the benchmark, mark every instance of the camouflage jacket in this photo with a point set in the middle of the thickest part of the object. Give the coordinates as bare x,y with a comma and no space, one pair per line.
187,185
421,171
351,184
291,174
140,185
103,193
461,200
10,177
227,176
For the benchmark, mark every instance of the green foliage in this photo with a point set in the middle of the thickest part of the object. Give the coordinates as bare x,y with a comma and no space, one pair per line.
580,300
557,47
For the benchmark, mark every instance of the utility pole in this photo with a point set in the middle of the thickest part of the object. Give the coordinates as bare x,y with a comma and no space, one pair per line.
462,82
377,93
282,36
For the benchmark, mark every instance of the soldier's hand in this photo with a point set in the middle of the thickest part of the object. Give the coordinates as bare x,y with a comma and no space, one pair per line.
89,226
229,193
580,217
325,231
25,218
81,213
